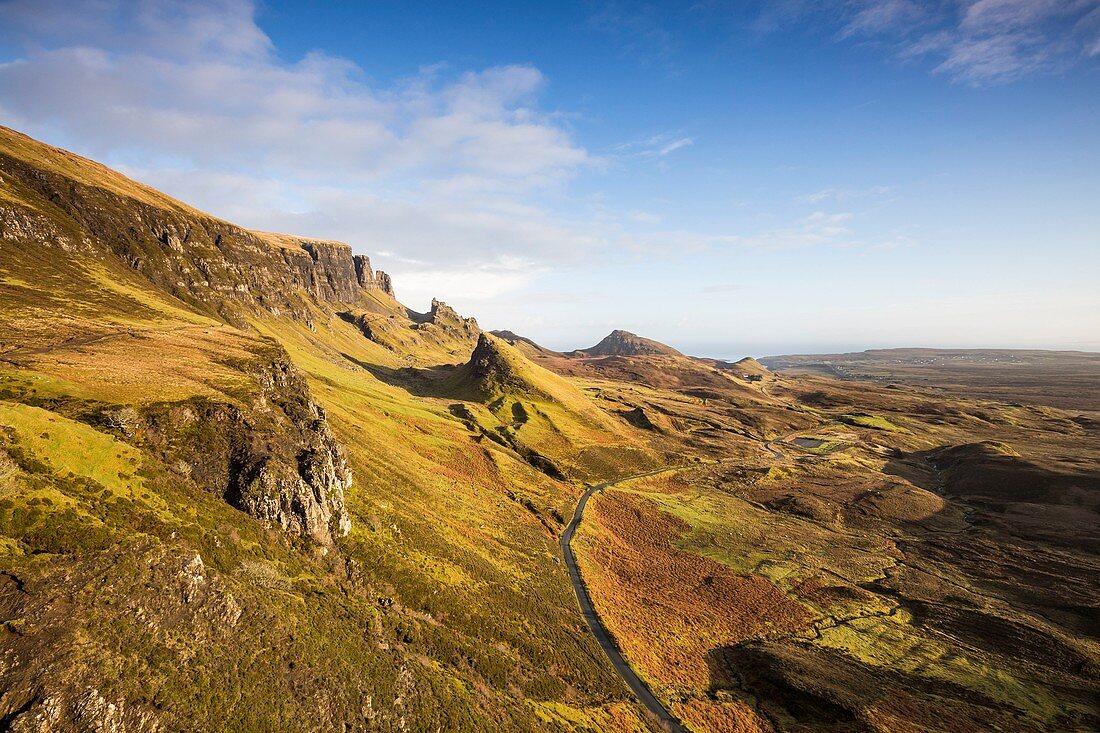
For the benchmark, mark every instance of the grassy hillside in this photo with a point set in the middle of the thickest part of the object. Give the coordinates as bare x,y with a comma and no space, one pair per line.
135,589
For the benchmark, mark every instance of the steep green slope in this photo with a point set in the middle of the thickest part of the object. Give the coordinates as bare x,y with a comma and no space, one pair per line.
221,507
544,417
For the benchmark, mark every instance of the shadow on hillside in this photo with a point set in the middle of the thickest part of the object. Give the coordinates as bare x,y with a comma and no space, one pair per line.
914,468
795,689
801,687
1021,514
419,382
989,473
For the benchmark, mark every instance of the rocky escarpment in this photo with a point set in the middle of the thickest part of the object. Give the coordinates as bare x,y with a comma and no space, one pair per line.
274,458
210,264
441,331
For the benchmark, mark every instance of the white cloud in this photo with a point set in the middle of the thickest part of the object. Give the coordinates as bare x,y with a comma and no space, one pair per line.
472,285
200,81
644,217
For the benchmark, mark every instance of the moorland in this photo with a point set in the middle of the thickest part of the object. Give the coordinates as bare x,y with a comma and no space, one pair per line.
243,488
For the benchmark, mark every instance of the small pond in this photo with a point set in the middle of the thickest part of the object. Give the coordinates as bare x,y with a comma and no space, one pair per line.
808,442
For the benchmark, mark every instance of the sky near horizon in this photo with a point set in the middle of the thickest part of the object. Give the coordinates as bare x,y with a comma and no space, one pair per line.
730,178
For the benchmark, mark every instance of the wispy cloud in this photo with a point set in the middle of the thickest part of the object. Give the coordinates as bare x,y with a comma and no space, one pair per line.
975,42
884,16
819,228
653,147
996,41
842,193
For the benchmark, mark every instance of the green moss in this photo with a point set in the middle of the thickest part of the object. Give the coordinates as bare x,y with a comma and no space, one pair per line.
863,420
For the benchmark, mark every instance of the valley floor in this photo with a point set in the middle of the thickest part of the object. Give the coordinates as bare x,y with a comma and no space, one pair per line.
901,569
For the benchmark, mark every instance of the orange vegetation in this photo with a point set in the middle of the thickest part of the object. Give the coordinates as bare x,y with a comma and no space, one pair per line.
667,608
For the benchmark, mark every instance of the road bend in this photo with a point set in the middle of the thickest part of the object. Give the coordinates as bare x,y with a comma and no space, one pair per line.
633,681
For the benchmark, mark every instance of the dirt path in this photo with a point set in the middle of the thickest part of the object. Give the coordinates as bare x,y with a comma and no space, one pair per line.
641,690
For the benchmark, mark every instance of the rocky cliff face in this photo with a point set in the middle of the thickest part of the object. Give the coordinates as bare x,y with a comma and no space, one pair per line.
370,279
495,368
274,458
210,264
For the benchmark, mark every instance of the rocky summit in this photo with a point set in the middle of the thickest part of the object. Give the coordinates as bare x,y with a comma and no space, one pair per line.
624,343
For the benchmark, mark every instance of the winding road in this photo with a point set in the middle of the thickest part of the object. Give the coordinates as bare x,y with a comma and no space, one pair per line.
641,690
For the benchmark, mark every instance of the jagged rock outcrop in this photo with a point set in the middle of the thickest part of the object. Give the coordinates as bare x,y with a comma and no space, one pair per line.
495,368
445,317
276,459
439,331
625,343
639,418
370,279
489,364
384,282
171,596
87,710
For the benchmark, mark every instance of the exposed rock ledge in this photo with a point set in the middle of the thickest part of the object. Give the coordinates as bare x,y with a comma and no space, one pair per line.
216,267
275,459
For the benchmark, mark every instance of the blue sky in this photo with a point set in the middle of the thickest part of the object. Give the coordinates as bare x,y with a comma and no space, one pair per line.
728,177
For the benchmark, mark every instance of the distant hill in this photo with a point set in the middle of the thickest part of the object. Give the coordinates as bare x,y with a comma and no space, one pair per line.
748,367
625,343
1067,379
523,342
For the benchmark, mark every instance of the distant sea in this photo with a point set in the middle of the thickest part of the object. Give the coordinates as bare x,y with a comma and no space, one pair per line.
733,352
